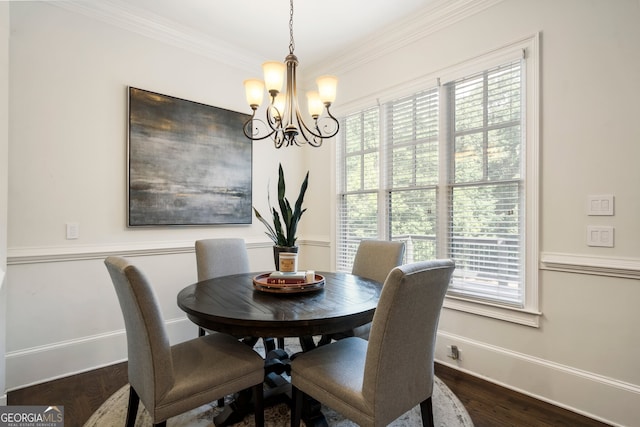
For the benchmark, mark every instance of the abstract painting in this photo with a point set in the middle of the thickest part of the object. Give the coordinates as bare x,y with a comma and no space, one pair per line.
188,163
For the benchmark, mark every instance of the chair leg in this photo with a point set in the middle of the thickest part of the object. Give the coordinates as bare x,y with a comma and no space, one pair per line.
426,409
200,332
132,408
258,407
296,408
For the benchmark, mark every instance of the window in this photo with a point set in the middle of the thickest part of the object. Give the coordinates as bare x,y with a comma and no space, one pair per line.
485,185
450,170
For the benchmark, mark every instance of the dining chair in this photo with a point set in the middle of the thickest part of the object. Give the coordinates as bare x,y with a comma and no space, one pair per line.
374,382
220,257
173,379
374,260
223,257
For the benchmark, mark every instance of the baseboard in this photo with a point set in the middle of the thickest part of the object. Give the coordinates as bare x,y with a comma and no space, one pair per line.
50,362
595,396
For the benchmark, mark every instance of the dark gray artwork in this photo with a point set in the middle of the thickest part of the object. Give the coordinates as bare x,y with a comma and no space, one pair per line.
189,163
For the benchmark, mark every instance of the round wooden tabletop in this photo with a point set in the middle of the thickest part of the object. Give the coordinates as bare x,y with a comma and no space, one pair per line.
230,304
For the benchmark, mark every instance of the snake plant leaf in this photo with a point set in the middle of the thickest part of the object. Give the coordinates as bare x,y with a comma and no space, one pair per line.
270,232
285,224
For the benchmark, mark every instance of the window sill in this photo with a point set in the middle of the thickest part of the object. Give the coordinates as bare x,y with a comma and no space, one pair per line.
508,314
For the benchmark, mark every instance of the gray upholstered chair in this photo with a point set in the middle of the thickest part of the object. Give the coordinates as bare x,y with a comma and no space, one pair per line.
374,260
174,379
220,257
223,257
374,382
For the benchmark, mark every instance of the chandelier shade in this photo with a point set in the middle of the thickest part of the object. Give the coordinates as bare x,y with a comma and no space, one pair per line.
254,90
273,75
284,123
327,86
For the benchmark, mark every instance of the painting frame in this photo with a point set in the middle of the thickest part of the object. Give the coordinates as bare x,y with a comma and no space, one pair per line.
188,164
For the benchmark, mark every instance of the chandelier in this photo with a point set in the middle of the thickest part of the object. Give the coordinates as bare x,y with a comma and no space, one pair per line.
284,122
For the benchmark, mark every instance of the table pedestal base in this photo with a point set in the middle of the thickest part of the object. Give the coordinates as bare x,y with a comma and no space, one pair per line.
277,390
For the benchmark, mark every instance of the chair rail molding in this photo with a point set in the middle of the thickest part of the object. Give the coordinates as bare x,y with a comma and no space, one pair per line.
46,254
588,264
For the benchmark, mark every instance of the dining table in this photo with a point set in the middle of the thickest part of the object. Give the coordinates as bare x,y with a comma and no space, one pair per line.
246,306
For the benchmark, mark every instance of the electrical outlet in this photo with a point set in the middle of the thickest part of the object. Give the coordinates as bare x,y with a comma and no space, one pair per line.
453,352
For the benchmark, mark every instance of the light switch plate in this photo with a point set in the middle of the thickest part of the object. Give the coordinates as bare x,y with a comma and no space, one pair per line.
73,230
600,236
600,204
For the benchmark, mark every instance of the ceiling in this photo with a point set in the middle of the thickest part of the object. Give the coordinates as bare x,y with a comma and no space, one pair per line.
260,28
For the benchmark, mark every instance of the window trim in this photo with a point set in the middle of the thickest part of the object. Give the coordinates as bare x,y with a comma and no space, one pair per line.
528,315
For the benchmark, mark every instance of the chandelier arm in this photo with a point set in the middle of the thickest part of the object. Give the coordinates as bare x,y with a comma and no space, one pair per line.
252,132
332,117
279,139
332,124
306,135
274,120
329,124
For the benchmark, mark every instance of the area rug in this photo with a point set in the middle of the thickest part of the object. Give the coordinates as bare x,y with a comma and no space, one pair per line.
448,411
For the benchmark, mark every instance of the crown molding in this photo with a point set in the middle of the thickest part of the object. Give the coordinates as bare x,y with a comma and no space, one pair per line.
438,15
122,15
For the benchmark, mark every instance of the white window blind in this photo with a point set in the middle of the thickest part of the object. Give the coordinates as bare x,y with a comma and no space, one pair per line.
486,186
412,172
358,183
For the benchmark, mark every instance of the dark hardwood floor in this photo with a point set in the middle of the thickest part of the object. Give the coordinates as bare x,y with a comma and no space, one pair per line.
487,403
491,405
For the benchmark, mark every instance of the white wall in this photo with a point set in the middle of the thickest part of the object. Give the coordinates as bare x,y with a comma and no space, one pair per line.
68,107
67,162
585,353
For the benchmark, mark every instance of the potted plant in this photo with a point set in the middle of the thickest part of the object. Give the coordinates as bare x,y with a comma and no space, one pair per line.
285,222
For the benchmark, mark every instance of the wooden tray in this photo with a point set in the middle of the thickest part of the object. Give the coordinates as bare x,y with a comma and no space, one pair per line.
260,284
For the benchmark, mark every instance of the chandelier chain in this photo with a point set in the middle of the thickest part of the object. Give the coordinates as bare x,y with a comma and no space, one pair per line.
292,44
